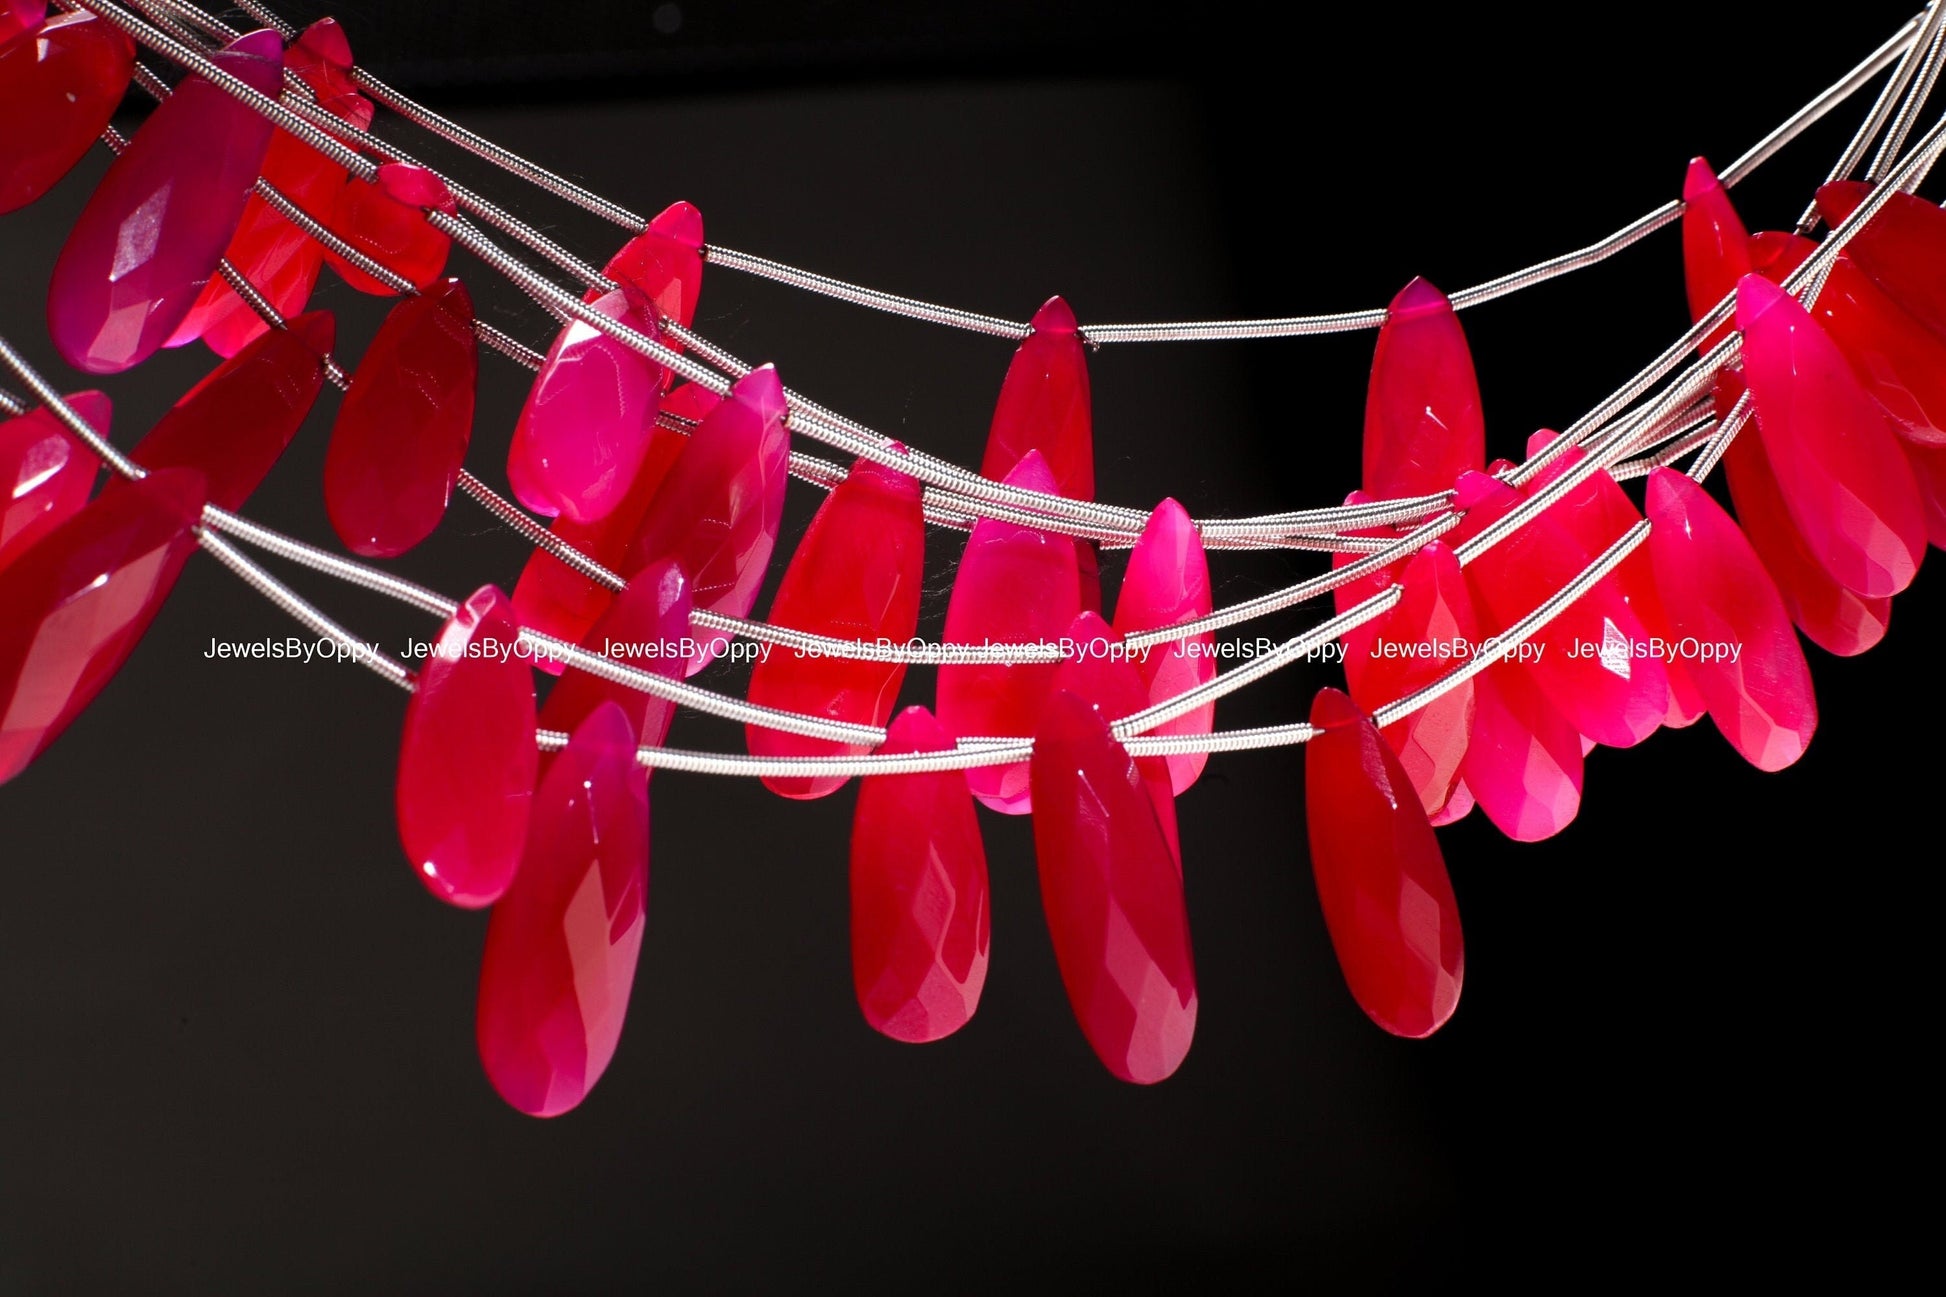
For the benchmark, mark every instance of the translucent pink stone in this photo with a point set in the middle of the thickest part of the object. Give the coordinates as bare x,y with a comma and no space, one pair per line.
664,263
45,474
322,57
857,574
562,944
1901,362
1717,590
1837,462
1099,671
386,220
644,628
1902,248
1523,758
1593,664
1358,641
77,604
156,226
718,510
1112,890
1168,583
589,417
18,16
467,762
402,430
921,920
1929,468
1715,246
67,80
1382,882
1457,807
1423,425
1015,585
1044,406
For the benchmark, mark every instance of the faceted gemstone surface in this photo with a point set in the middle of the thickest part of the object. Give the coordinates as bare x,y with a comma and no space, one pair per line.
1358,641
1717,590
718,509
1112,890
1715,246
45,474
79,601
322,57
1098,671
562,944
1015,585
921,921
589,418
1929,468
386,220
1044,405
1167,583
467,761
1523,758
66,81
156,226
19,16
1381,880
1902,248
857,574
664,263
234,425
403,427
644,628
1901,362
1423,425
1848,488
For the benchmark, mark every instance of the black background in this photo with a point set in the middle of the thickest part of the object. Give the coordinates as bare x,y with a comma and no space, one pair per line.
236,1036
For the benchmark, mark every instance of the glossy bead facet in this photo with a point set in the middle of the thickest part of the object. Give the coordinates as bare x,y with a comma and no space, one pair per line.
467,761
1523,758
857,574
154,229
1901,362
644,628
1929,470
1167,583
1382,882
1099,671
1423,425
664,263
1112,890
18,17
1902,248
45,473
1715,246
562,944
921,921
1044,406
386,220
58,90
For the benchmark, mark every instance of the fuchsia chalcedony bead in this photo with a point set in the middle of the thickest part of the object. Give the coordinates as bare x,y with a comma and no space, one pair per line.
20,16
402,430
1901,362
467,761
1523,761
1423,425
1015,585
644,628
386,220
45,474
664,263
562,945
156,226
1715,246
1838,465
1112,890
856,575
58,90
1902,248
79,601
1097,671
1718,591
1358,640
1168,583
1929,468
1381,880
921,920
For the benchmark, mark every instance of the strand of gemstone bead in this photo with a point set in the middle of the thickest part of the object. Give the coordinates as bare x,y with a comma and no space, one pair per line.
1889,98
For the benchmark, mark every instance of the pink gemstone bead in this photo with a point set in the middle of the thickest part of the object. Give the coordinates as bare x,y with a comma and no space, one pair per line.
20,16
562,944
1902,249
45,474
1381,880
664,263
1457,807
156,226
1112,890
1715,246
1015,585
1838,465
402,431
644,628
1901,362
921,920
1168,583
67,80
467,762
1718,591
322,57
1098,671
1929,468
718,510
79,601
1359,640
1423,425
1523,758
857,574
386,220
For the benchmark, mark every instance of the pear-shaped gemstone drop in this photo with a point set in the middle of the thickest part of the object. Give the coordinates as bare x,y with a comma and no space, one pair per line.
45,474
58,89
1167,583
1423,426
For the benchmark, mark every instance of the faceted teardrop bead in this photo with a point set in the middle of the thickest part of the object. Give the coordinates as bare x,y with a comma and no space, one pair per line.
80,600
1717,590
1929,468
1358,641
1591,665
1015,585
1382,882
1715,246
921,921
857,574
1902,248
1112,890
1523,758
718,510
589,417
157,224
644,628
1430,631
386,220
402,430
1098,671
1423,426
234,425
18,17
1774,254
1901,362
467,761
1167,583
58,90
45,474
322,57
664,263
1457,807
1837,462
562,944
